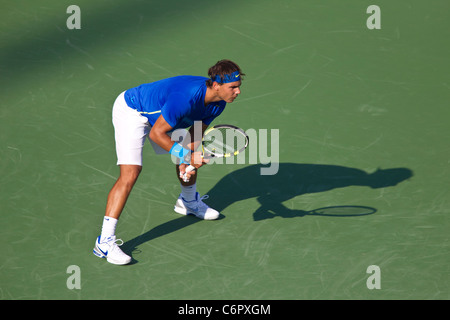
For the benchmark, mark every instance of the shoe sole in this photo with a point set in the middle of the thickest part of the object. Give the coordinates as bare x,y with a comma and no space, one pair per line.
190,213
118,263
112,261
182,211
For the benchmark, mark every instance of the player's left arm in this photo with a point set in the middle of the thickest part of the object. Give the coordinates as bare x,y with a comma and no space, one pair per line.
196,139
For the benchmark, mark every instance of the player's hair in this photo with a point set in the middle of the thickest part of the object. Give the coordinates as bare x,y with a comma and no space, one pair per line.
222,68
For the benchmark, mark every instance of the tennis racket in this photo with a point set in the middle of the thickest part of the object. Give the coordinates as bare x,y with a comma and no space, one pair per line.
221,141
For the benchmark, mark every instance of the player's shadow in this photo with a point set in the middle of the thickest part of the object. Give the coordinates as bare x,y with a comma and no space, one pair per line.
291,180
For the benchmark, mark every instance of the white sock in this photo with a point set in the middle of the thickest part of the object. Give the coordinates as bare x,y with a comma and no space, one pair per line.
188,192
109,227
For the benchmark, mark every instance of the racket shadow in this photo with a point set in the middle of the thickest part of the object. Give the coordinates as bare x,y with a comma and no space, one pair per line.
294,179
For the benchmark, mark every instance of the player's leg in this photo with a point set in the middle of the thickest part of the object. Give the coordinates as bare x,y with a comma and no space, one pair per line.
106,244
131,130
119,193
190,202
192,181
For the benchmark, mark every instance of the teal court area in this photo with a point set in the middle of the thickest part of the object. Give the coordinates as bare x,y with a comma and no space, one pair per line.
363,153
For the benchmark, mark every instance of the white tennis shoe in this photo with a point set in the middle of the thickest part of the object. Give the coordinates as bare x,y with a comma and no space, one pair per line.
109,249
196,207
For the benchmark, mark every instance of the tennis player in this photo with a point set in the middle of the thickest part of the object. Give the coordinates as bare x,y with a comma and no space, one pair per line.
154,111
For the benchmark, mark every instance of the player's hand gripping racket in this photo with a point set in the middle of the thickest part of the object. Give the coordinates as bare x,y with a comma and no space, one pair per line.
221,141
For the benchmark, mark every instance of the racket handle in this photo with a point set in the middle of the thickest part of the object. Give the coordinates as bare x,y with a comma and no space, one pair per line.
189,168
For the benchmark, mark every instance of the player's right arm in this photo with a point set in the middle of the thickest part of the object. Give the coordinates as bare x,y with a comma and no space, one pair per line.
159,135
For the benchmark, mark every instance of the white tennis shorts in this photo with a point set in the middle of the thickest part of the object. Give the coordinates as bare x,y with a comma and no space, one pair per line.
131,129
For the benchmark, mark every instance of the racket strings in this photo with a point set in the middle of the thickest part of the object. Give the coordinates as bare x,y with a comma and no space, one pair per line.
224,141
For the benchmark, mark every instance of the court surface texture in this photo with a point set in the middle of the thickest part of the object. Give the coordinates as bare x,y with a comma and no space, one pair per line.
356,120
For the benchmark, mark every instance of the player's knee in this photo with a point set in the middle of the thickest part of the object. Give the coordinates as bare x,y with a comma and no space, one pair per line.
129,175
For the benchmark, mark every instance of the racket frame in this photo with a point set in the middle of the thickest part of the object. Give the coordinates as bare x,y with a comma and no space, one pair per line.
224,155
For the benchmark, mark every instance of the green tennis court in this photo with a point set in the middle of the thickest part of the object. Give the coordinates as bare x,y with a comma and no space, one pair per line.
363,155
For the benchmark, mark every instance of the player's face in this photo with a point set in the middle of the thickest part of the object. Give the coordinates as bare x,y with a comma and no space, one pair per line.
229,91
